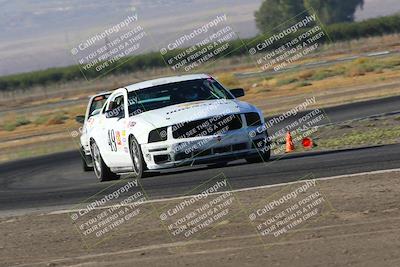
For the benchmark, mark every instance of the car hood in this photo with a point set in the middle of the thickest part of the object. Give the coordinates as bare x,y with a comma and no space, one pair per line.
193,111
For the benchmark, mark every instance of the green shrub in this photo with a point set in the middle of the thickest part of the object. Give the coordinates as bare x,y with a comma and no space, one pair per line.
304,75
40,120
20,121
393,64
366,28
12,123
362,66
286,81
321,75
303,84
9,126
58,118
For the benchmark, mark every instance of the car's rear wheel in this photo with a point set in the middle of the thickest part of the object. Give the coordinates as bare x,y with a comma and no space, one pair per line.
138,163
103,173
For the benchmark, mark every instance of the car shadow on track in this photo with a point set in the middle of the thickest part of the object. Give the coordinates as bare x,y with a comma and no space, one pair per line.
242,162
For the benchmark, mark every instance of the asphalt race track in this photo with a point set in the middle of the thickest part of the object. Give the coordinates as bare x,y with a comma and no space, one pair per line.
352,111
57,180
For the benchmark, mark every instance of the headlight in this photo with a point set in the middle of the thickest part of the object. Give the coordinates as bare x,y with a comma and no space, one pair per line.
253,119
158,135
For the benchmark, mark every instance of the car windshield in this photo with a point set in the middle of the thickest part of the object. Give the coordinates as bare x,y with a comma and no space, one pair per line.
175,93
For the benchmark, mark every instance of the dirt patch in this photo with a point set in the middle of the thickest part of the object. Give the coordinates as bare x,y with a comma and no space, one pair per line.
361,227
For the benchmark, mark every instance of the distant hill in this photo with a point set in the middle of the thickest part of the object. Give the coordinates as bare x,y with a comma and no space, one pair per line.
377,8
39,34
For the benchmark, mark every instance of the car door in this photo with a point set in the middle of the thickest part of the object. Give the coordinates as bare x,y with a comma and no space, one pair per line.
116,153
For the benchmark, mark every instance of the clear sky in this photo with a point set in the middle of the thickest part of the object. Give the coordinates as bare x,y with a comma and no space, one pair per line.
39,34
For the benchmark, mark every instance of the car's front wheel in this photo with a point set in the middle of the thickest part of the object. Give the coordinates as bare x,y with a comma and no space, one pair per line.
103,173
262,156
218,165
137,157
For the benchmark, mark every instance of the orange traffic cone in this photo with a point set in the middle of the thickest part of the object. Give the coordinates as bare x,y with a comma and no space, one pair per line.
289,143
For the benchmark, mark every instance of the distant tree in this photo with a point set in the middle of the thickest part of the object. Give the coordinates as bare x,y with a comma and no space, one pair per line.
274,12
334,11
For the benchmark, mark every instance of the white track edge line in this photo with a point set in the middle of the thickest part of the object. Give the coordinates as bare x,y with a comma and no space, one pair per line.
243,189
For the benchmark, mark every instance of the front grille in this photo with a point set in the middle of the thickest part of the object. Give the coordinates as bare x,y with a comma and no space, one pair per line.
206,127
211,151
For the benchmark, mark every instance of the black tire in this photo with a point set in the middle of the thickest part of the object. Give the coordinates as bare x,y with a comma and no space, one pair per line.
101,170
138,163
85,166
262,156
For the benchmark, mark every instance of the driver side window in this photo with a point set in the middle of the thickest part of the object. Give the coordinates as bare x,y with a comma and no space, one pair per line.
116,107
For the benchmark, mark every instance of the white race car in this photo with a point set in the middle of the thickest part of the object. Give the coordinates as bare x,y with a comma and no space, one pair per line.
171,122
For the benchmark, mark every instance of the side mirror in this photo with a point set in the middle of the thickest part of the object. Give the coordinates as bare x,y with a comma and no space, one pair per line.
238,92
80,119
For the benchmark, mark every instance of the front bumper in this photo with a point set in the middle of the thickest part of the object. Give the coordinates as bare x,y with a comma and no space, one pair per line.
233,145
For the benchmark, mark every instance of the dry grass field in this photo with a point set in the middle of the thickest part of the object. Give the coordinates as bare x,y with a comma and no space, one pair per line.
40,120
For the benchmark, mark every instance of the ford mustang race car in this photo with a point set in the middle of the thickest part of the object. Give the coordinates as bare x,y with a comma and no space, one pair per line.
171,122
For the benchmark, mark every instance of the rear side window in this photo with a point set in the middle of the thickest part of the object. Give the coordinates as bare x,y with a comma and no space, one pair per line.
98,103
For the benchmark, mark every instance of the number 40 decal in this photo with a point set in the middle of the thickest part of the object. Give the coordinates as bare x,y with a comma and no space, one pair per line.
111,140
